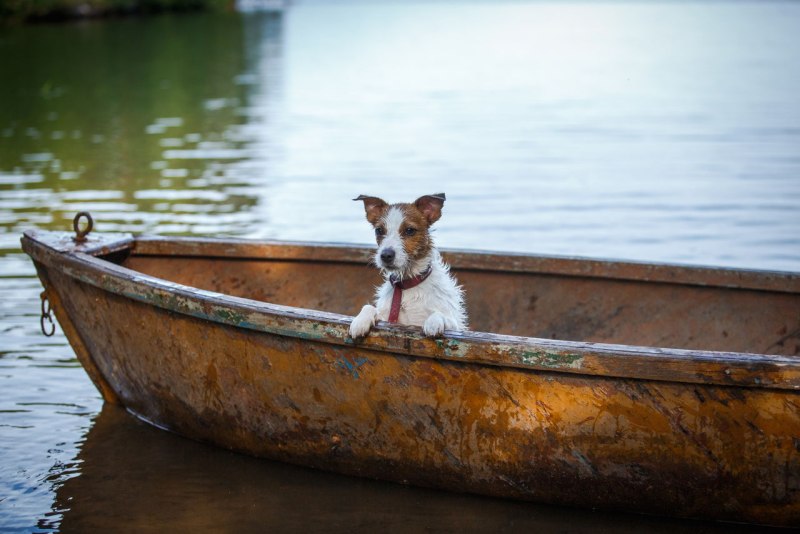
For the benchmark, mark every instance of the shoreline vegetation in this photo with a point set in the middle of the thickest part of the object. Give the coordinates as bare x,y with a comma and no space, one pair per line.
23,11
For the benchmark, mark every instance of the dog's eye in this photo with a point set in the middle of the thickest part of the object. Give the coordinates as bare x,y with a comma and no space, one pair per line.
410,231
379,231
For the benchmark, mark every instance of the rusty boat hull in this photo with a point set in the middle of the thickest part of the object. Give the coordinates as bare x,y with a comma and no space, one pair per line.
658,389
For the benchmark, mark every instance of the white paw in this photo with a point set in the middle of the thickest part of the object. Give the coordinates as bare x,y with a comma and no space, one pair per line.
363,321
434,325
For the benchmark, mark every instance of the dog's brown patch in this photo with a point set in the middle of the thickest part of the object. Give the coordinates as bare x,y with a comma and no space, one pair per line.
375,208
415,232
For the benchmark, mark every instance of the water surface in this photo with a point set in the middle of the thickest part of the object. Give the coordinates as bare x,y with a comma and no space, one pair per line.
638,130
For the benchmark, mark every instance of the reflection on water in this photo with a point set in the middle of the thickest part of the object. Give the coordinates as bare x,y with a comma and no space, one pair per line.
145,137
655,131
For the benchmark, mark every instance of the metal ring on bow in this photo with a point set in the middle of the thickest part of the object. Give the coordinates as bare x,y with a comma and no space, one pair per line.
80,235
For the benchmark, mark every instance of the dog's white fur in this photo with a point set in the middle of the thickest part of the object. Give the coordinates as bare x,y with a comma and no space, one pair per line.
436,304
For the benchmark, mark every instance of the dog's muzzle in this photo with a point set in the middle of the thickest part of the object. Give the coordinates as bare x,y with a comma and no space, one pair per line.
387,257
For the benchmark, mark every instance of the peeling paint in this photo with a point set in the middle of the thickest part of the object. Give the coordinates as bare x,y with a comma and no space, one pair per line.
451,348
229,316
351,364
552,360
587,466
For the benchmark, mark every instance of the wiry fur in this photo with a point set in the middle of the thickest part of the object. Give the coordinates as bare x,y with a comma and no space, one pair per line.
436,304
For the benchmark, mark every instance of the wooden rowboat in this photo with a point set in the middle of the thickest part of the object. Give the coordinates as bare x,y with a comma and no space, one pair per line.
660,389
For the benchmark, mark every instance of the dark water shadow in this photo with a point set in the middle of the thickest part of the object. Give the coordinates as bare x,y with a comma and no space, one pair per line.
137,478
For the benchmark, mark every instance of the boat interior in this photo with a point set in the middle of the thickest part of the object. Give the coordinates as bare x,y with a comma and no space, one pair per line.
553,298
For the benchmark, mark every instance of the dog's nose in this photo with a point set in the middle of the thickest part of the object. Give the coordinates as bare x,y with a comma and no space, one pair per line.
387,256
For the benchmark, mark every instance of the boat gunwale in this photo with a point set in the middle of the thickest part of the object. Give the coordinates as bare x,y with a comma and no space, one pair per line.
479,260
535,354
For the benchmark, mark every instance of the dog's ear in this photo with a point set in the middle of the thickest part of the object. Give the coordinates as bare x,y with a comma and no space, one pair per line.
374,206
431,206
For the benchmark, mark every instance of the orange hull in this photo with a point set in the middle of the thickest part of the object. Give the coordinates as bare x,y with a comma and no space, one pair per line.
649,388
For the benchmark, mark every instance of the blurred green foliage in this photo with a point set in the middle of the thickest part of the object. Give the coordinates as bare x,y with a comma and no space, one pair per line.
93,111
27,10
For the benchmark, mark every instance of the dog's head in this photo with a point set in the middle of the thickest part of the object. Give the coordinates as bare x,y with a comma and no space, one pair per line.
403,232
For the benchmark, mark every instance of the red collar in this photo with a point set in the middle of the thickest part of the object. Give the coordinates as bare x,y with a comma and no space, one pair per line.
401,284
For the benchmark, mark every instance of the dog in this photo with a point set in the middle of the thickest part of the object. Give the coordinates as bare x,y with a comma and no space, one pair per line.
418,288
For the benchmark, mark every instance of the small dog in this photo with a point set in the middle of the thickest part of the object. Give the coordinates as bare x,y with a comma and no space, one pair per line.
418,289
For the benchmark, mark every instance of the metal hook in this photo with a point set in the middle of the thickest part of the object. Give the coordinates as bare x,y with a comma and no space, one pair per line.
46,315
80,235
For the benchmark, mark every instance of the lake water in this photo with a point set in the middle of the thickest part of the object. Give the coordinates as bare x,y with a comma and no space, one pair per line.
657,131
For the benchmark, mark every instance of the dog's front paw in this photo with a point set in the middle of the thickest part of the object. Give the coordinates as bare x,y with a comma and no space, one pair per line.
434,325
363,321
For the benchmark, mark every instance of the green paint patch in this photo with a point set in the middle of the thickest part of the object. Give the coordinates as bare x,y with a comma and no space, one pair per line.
453,349
333,332
551,360
229,316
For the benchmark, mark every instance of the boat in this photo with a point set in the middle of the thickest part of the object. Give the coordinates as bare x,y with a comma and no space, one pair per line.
651,388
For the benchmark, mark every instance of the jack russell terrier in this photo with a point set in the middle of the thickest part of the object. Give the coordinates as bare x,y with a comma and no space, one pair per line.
419,289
